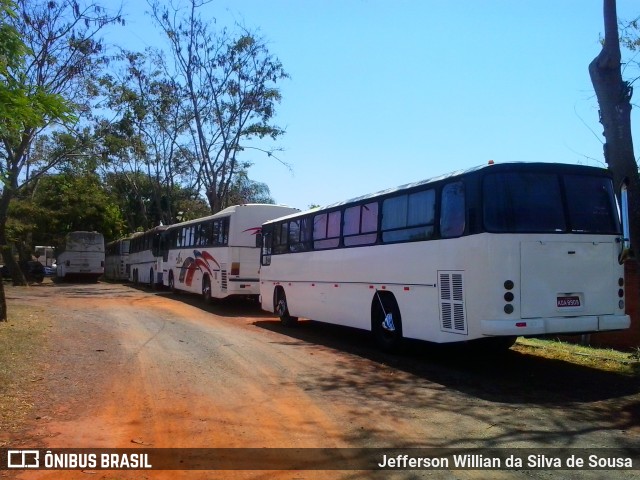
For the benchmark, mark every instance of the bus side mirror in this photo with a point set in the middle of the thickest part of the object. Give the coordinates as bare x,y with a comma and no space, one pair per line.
625,241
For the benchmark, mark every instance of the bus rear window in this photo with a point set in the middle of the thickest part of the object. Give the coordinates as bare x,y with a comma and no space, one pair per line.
519,202
591,204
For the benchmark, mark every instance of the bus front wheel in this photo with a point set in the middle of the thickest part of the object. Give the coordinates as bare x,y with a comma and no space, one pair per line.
386,323
206,289
172,283
282,309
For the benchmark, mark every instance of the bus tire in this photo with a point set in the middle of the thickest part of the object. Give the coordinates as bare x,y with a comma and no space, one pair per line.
282,309
172,283
152,282
206,289
135,276
387,340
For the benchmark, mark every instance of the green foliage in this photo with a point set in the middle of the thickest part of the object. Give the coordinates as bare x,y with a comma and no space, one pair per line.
23,104
245,190
70,201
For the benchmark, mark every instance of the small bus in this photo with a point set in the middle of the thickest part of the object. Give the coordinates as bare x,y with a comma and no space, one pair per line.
145,257
492,253
82,256
218,256
117,260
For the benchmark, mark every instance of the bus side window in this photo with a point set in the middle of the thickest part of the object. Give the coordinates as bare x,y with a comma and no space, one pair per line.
452,211
408,218
300,235
280,237
326,230
361,224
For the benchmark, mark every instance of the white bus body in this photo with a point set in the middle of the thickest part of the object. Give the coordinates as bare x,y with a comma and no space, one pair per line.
145,257
82,256
117,260
46,255
496,252
218,256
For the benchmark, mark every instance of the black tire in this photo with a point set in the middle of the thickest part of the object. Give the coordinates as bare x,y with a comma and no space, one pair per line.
386,339
206,289
282,309
172,283
152,282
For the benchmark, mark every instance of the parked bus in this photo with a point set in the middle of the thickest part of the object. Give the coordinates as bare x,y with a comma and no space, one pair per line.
46,255
218,256
145,257
491,253
117,260
82,256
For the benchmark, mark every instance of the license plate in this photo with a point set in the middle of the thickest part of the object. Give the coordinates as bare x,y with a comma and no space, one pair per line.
569,301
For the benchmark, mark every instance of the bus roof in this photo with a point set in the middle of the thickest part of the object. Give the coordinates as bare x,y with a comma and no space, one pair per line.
510,166
227,212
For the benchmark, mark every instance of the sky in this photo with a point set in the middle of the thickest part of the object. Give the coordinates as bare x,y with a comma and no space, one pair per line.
387,92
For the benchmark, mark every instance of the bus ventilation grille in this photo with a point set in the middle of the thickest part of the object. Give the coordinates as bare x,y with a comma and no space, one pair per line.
453,316
223,280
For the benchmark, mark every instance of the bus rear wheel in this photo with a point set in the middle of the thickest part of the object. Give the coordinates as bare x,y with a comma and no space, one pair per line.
386,323
282,309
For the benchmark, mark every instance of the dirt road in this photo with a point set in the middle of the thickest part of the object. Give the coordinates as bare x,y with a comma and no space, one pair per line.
127,368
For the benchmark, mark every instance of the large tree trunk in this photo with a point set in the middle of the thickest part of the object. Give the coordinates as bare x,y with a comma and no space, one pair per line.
614,99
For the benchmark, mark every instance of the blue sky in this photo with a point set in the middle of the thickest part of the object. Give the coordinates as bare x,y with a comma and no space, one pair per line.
387,92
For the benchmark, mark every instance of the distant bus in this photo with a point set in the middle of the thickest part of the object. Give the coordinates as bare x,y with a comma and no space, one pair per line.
492,253
46,255
117,260
82,256
218,256
145,257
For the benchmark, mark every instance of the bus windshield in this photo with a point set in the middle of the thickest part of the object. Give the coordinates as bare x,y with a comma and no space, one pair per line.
525,202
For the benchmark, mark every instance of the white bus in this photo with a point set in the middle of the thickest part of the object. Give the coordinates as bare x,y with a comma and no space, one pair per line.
218,256
145,257
81,257
492,253
117,260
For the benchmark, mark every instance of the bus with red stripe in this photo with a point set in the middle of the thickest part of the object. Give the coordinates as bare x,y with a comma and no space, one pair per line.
218,256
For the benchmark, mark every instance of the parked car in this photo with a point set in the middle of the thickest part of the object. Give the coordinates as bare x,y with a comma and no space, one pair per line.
32,269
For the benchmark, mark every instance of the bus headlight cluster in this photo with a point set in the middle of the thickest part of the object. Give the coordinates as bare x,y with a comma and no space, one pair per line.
621,293
508,296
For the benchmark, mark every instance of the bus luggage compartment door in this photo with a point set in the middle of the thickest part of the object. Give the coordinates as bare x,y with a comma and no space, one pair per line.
566,278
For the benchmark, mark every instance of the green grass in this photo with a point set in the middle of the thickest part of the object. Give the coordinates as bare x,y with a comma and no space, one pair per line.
607,359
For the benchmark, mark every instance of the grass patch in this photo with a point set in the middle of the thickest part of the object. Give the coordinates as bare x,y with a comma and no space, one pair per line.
606,359
22,339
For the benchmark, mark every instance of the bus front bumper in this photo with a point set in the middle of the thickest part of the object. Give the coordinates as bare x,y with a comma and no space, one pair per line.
566,325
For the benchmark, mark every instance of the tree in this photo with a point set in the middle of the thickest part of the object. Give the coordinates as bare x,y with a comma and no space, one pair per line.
245,190
147,155
56,204
52,55
228,93
614,99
